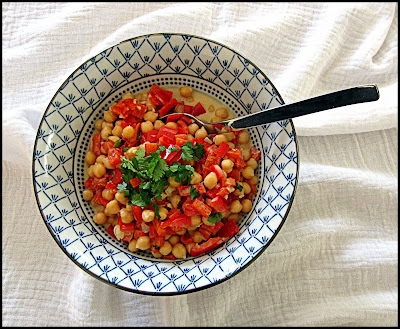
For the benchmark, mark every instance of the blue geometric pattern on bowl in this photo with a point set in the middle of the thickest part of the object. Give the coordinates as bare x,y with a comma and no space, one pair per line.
134,65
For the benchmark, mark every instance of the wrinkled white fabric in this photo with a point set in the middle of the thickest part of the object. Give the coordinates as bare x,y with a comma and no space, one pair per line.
334,262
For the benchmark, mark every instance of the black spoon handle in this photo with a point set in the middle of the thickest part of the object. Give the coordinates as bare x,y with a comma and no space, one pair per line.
359,94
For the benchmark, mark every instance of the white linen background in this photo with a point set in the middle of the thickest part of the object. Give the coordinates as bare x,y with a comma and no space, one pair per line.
334,262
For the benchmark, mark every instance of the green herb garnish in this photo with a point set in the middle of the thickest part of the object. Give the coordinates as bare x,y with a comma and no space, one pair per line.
238,186
191,152
215,218
193,193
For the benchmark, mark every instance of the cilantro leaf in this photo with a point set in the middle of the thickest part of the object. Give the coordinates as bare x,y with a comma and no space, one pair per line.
191,152
125,149
136,200
238,186
215,218
193,193
156,209
118,142
122,187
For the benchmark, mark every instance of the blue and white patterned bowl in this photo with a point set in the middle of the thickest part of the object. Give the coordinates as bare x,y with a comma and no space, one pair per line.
134,65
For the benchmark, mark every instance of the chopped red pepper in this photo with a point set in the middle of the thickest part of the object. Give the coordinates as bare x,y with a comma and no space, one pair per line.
218,171
167,107
114,156
151,148
205,247
137,213
110,230
222,149
255,153
219,204
198,109
135,182
96,144
150,136
99,199
202,208
229,229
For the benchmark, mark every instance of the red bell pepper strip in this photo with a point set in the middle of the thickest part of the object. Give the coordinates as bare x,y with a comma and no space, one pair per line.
137,110
198,109
213,192
128,236
117,179
219,204
107,145
177,223
204,232
135,182
96,144
199,249
235,174
188,208
150,136
151,148
114,156
223,191
202,208
127,227
167,107
168,132
218,171
110,230
166,141
186,238
255,153
88,182
228,182
99,199
130,120
229,229
174,117
188,109
138,233
159,96
98,183
222,149
137,213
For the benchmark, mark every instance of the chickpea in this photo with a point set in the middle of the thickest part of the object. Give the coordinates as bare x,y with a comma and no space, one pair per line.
87,195
110,116
234,217
128,132
107,164
237,192
248,172
246,205
215,119
120,197
100,158
230,136
225,214
196,178
98,124
156,254
126,216
166,248
231,145
107,124
100,218
130,153
201,133
181,232
179,251
236,206
117,130
246,188
113,138
206,222
211,180
127,96
148,215
105,132
107,194
189,246
227,165
174,239
246,154
117,123
219,139
175,199
111,219
150,116
222,112
158,124
173,182
196,220
146,126
189,137
193,128
143,242
132,246
113,207
90,158
243,137
211,108
185,91
254,180
163,213
252,163
172,125
197,237
118,233
90,171
99,170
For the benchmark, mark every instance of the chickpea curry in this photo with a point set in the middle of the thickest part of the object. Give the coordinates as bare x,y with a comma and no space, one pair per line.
169,187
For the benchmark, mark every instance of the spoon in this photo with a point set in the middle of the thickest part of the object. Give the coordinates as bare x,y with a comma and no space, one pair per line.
354,95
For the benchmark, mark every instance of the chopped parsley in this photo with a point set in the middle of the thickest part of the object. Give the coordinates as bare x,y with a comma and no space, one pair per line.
193,193
191,152
215,218
118,142
239,187
153,173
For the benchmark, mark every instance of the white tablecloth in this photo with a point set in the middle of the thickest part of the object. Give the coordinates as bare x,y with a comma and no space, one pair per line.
334,262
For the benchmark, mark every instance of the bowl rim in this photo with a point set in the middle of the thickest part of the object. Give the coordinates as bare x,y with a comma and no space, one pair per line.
174,293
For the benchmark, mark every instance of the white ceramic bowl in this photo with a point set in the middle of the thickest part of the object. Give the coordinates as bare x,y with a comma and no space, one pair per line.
134,65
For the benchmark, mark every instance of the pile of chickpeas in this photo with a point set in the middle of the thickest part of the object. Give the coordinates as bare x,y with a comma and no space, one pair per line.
97,166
